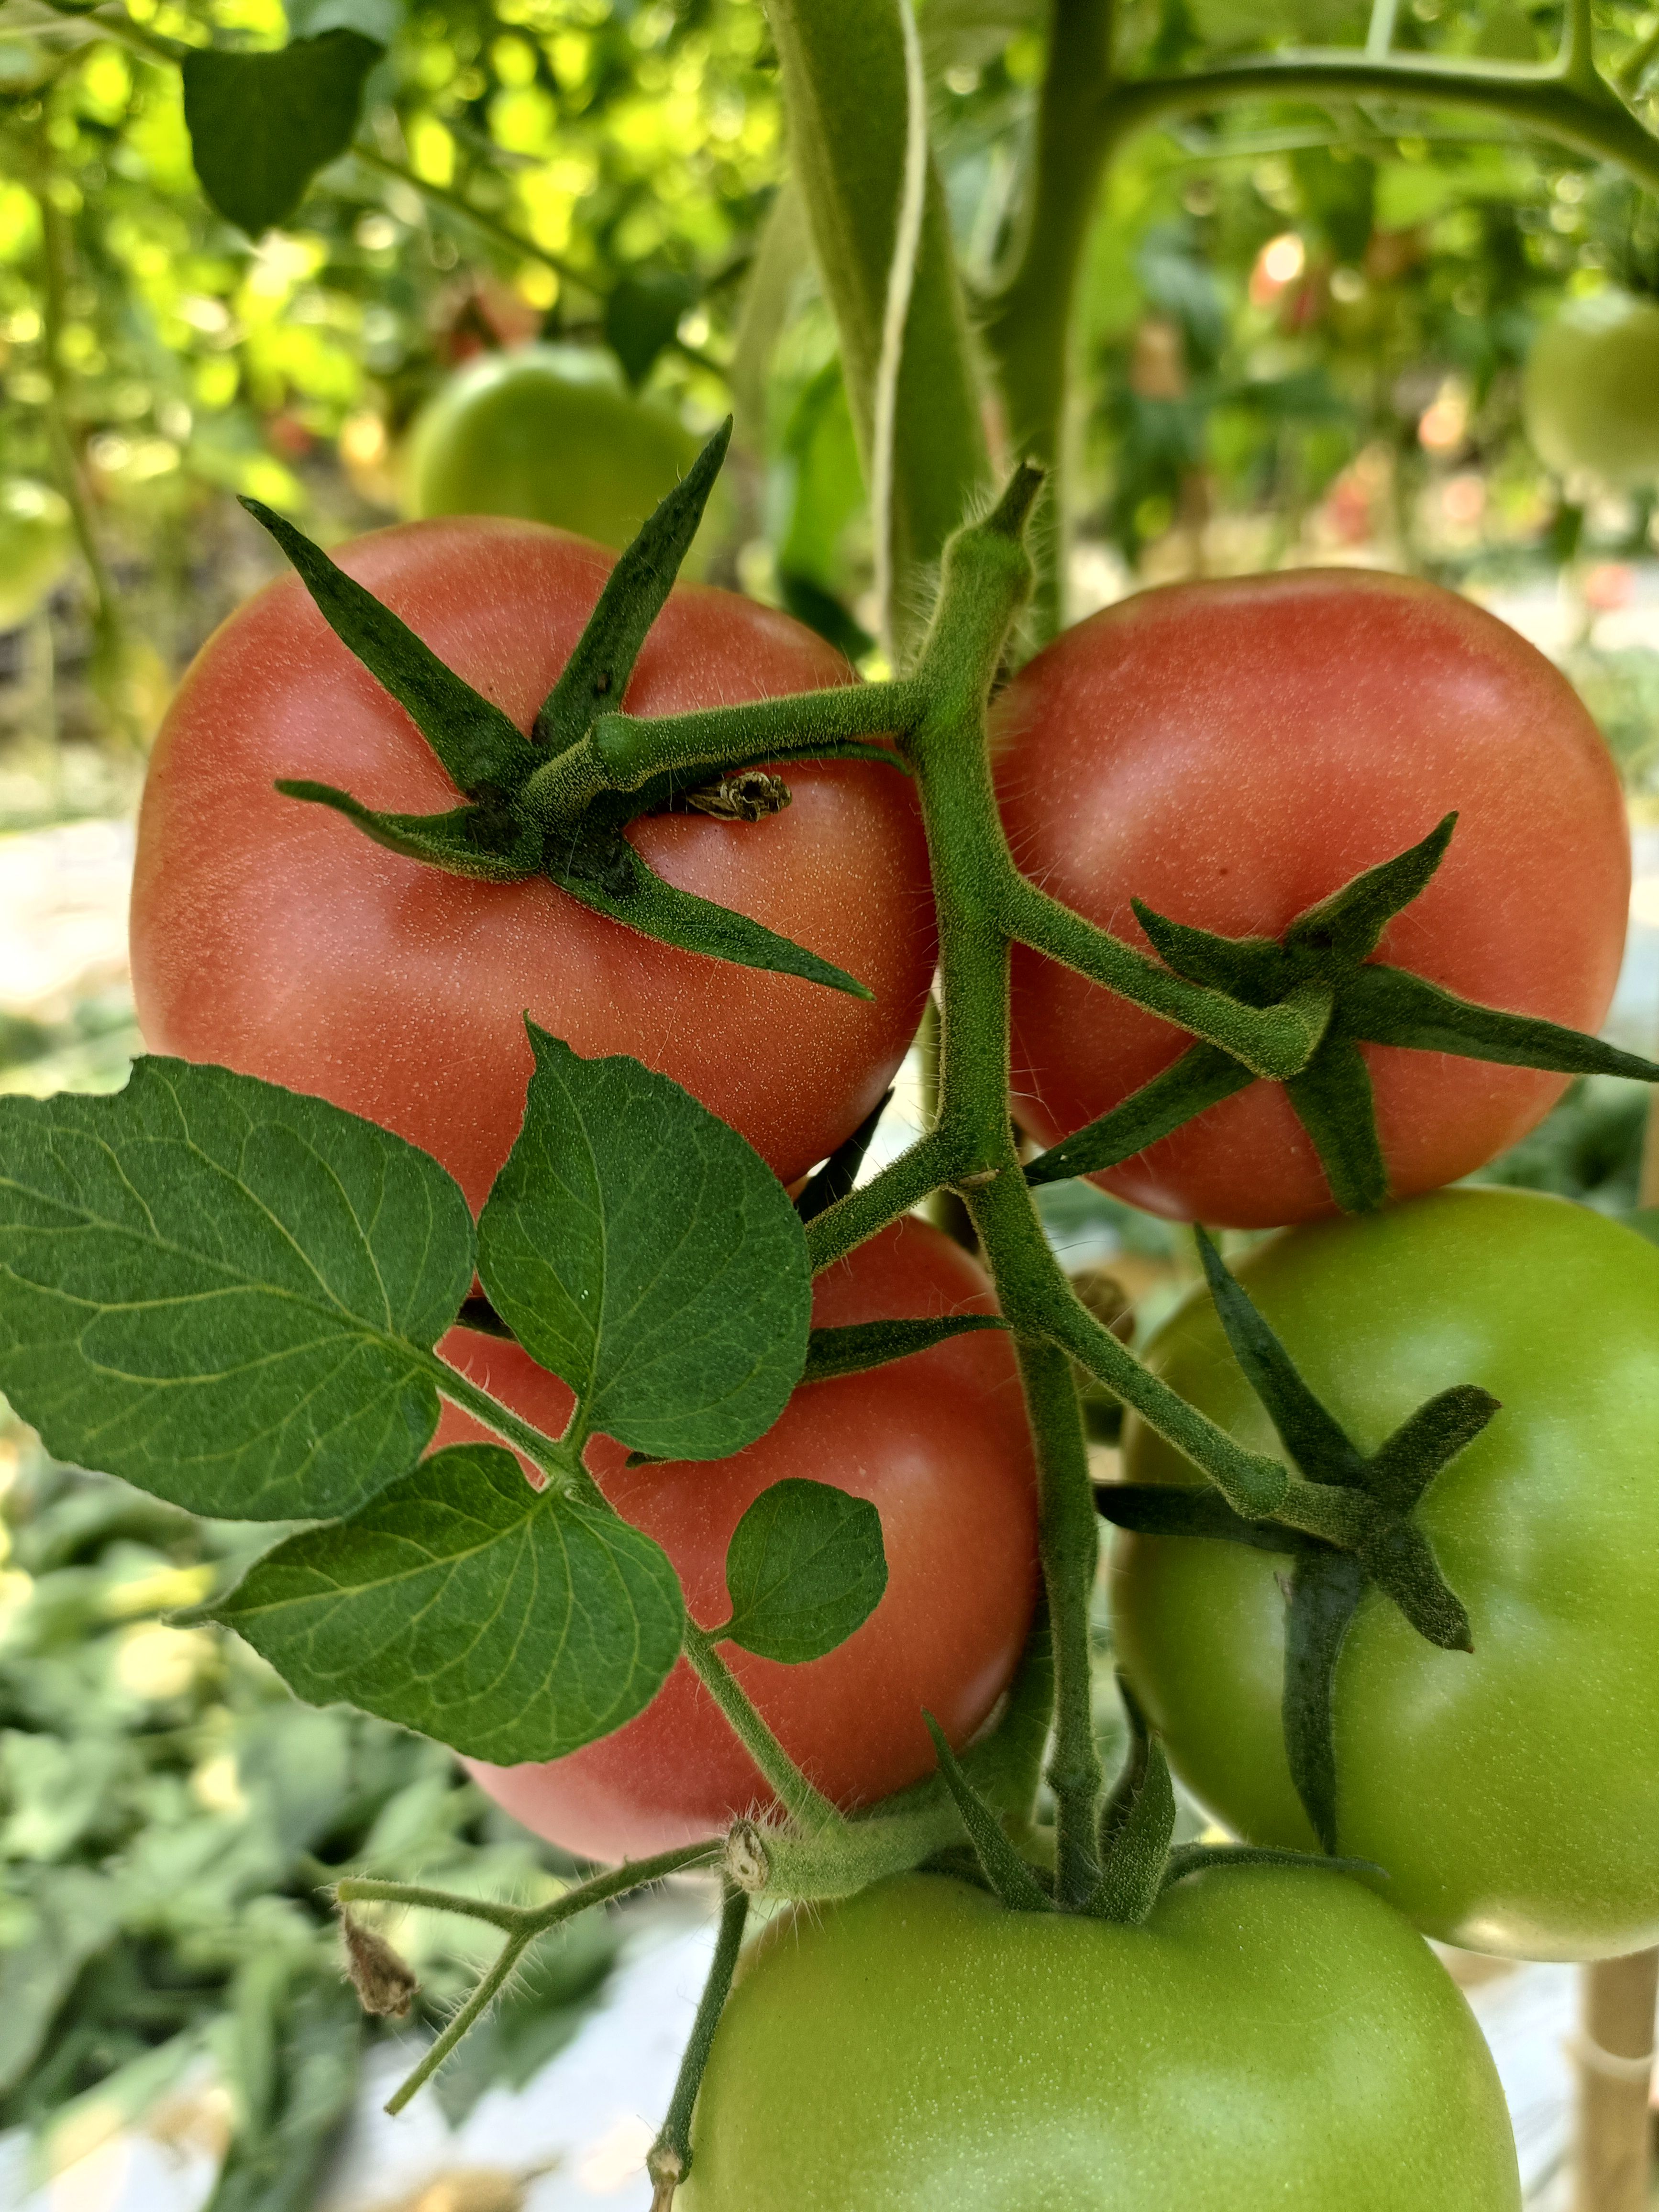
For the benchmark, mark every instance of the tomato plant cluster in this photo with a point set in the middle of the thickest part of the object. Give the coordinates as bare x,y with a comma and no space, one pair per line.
527,943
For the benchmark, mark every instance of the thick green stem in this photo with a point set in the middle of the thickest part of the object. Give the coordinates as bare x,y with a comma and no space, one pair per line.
844,89
1070,1553
1028,327
668,2160
807,1806
863,1212
57,251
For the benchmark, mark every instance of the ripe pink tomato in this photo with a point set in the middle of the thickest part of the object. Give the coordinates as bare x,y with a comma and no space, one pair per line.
274,937
1232,752
937,1443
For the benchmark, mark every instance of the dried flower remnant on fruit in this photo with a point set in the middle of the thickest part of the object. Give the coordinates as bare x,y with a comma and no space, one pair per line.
385,1986
748,794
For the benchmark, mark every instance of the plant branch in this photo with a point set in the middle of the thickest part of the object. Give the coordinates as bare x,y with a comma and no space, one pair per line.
557,1459
668,2160
1578,109
813,1811
916,1174
1027,328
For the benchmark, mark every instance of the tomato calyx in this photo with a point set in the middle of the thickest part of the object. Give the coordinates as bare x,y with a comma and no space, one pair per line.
557,802
1347,1526
1138,1857
1325,956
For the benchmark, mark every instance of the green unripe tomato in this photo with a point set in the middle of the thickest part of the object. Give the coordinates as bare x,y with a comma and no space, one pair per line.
1273,2040
1592,388
36,540
547,433
1511,1793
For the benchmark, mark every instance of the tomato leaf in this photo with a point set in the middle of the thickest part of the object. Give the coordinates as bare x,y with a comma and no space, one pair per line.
805,1568
1390,1006
1201,1077
469,841
861,1345
262,124
1351,922
483,749
637,1247
1326,1588
642,317
595,678
510,1624
224,1291
1334,1101
605,872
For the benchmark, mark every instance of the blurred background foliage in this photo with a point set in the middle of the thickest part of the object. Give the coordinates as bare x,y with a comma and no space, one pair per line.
1302,337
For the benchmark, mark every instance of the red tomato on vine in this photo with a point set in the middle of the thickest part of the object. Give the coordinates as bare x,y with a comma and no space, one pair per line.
273,938
1232,752
937,1443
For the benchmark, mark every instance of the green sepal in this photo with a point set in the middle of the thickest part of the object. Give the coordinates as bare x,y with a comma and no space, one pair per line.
1131,1873
1126,1785
594,678
1326,1588
483,751
1404,1465
1333,1099
1008,1876
1192,1858
487,842
1349,923
861,1345
840,1172
1247,968
805,1569
1159,1509
1202,1077
603,871
1400,1559
1390,1006
1314,1440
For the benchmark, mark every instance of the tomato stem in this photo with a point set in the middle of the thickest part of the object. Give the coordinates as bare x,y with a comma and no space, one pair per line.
668,2159
810,1809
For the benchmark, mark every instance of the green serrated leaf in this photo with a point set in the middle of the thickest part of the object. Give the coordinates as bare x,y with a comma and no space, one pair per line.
638,1246
224,1291
805,1568
605,872
861,1345
262,124
469,841
483,750
510,1624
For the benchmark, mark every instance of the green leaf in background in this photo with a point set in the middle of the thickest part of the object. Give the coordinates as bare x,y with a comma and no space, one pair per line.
223,1290
805,1568
508,1622
641,1249
262,124
642,316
